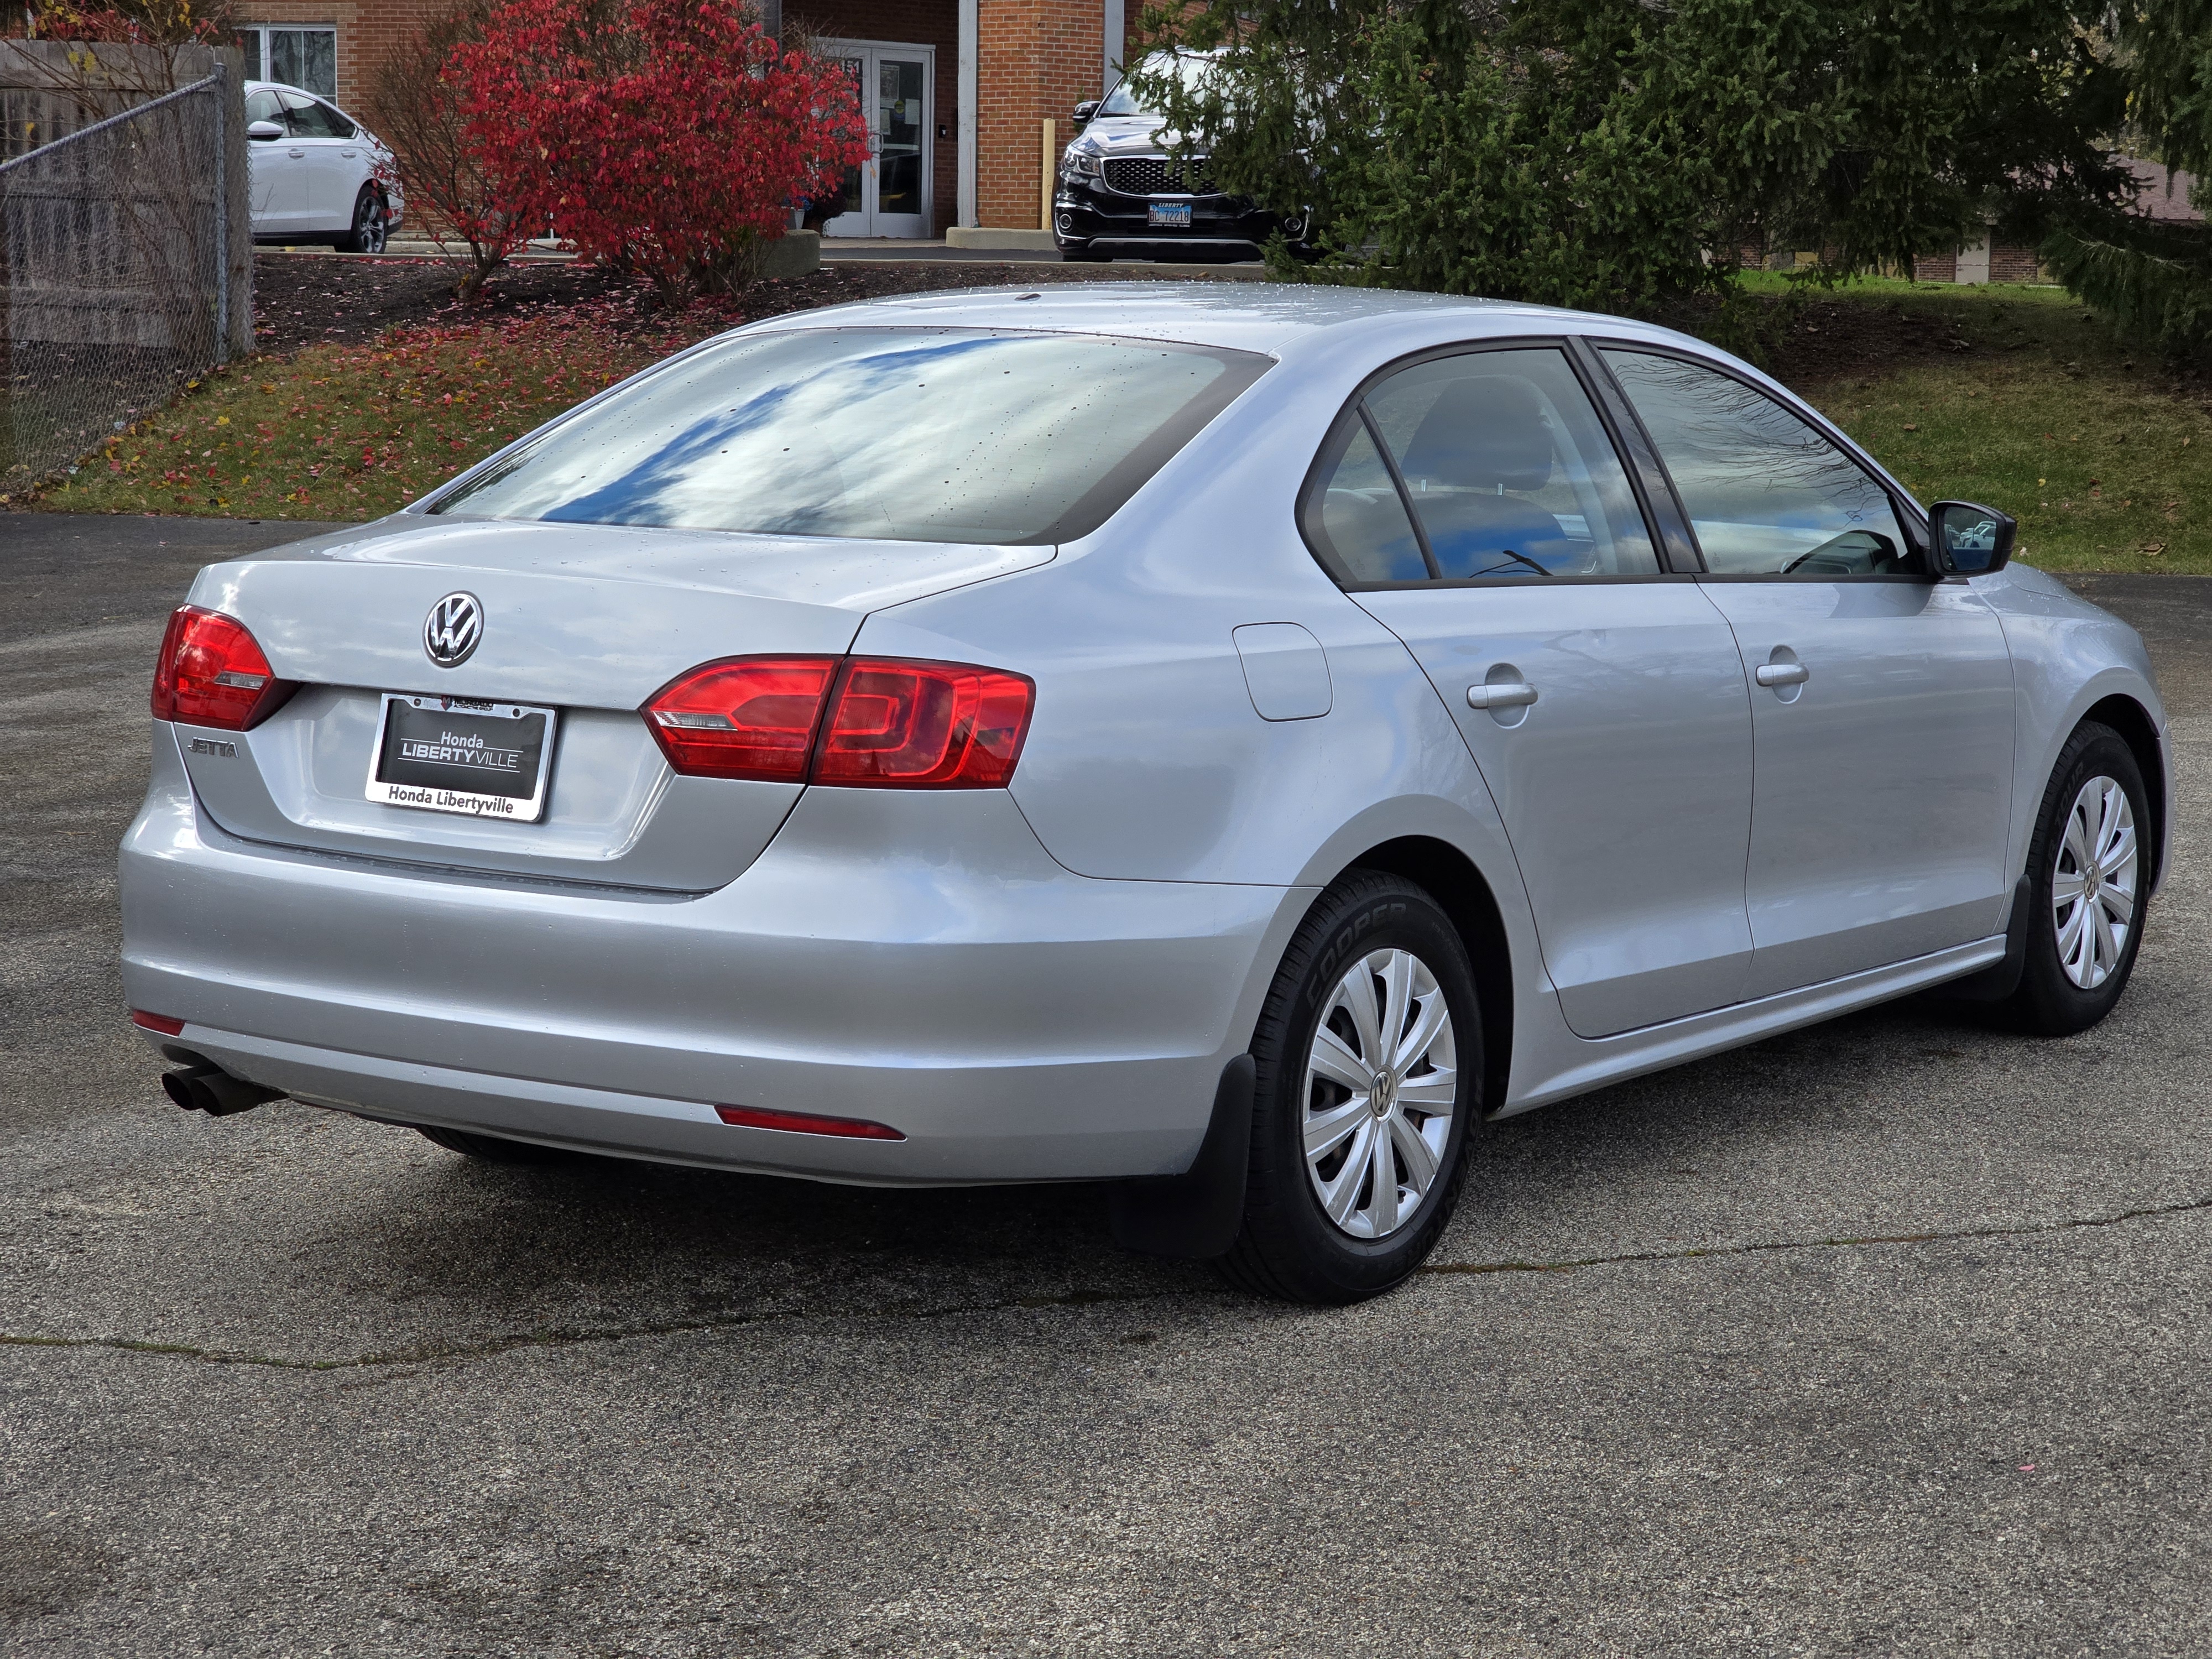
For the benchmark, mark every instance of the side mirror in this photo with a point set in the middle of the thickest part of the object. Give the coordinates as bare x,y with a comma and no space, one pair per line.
1085,110
1965,539
263,132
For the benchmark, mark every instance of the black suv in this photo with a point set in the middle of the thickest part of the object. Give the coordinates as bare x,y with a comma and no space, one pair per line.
1119,194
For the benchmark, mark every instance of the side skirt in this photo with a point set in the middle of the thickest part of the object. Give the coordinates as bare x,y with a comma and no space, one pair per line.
1578,1064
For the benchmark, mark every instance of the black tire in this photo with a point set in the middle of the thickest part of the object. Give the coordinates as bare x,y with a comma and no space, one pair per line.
369,224
2048,1002
490,1148
1288,1247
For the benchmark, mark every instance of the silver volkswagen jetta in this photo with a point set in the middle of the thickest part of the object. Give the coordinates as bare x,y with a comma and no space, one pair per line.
1229,743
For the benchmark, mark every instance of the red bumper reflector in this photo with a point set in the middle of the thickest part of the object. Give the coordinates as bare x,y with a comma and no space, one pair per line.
806,1123
160,1023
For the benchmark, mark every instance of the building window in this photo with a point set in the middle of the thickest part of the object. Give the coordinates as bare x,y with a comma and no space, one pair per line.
306,58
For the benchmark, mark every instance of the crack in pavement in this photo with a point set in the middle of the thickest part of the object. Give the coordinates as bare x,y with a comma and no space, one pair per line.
2025,1230
431,1353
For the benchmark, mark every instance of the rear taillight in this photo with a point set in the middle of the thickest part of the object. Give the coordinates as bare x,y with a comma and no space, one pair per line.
211,672
861,722
744,717
924,726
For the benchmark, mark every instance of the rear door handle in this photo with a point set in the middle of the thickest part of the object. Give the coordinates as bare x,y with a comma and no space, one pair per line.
1782,673
1509,694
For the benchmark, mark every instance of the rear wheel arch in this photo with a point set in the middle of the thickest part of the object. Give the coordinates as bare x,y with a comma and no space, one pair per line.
1460,889
2132,721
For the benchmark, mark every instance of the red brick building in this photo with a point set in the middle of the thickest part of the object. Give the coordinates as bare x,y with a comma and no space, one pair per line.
958,92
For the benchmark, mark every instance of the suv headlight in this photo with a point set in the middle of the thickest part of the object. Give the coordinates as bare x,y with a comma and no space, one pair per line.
1079,163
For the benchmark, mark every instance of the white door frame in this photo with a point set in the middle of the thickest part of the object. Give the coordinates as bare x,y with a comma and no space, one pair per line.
862,222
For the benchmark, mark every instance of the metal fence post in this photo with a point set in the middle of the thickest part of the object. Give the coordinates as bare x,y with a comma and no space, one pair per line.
222,220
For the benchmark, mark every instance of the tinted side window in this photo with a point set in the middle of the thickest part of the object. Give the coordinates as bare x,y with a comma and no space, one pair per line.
1508,470
263,106
1765,493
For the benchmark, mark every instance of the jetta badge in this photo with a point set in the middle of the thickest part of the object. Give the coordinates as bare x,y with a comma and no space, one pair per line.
452,629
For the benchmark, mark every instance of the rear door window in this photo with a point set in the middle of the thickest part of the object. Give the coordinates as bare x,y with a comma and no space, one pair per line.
1501,470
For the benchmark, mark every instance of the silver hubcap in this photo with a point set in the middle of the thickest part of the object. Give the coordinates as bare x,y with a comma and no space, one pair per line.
1382,1079
2092,890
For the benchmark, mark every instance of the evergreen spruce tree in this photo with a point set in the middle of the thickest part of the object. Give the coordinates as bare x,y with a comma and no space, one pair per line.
2153,278
1611,153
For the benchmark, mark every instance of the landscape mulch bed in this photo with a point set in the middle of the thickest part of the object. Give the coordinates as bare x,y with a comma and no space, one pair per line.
311,299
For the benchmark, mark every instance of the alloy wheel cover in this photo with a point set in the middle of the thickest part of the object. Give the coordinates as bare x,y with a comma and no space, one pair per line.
1382,1082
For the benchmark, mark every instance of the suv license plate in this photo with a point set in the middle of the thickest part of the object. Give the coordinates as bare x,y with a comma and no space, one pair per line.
1169,216
487,760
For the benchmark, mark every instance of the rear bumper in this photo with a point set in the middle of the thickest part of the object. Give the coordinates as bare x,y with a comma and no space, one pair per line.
910,958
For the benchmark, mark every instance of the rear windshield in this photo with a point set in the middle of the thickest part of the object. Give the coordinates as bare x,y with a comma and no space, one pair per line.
897,433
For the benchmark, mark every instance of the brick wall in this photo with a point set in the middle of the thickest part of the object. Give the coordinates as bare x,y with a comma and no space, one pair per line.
1036,59
908,23
368,31
2014,264
2006,265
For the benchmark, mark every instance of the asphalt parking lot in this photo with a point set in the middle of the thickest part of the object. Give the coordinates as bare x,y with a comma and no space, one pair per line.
1885,1337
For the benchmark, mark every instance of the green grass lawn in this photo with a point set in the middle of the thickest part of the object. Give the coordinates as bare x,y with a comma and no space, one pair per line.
2015,397
2103,455
356,431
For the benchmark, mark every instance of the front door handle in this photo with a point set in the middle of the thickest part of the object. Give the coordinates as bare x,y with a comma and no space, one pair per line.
1782,673
1509,694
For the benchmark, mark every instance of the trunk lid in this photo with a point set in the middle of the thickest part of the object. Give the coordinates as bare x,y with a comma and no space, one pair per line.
590,620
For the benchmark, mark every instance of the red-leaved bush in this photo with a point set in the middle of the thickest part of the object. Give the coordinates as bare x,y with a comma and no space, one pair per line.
475,205
664,136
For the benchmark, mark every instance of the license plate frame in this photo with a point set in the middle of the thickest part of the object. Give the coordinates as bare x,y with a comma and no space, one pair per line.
419,784
1168,215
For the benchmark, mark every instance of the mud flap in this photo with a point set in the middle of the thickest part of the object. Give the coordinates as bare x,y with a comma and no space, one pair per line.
1195,1215
2001,978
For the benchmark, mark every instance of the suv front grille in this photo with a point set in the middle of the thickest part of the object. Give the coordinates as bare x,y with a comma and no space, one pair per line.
1155,175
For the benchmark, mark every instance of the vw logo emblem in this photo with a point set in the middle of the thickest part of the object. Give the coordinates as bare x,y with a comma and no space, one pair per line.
452,631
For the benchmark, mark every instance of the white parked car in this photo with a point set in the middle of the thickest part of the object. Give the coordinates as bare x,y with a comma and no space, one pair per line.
319,174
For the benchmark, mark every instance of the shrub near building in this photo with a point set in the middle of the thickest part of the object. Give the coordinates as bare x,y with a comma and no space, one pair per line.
666,137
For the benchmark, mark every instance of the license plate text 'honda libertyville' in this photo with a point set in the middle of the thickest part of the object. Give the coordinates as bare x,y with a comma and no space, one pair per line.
489,760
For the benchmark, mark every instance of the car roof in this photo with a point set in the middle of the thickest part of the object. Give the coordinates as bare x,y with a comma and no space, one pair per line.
1274,318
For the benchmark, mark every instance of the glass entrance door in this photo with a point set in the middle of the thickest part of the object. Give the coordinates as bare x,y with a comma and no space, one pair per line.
889,196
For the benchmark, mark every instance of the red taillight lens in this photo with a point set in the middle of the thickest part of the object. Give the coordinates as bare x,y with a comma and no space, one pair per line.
890,724
160,1023
806,1123
211,672
925,725
744,717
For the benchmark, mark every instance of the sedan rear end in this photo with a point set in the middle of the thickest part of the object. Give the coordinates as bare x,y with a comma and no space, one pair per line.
573,810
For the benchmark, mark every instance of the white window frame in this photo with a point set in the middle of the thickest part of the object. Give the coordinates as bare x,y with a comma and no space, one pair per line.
264,30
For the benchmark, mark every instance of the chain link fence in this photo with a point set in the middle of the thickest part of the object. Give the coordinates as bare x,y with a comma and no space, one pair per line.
120,260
